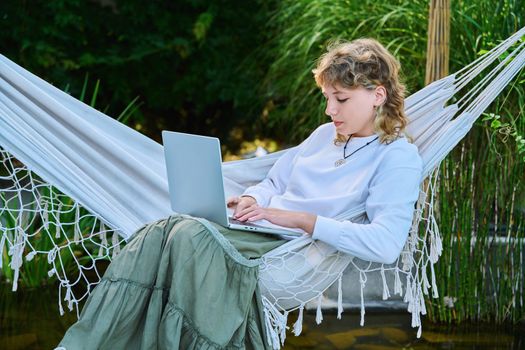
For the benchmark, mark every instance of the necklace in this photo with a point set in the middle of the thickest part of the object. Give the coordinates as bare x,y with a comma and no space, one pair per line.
343,160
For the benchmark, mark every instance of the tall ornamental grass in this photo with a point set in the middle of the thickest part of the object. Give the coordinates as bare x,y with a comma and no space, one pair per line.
481,207
298,31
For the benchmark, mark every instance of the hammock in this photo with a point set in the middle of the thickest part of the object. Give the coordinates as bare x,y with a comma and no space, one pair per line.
71,177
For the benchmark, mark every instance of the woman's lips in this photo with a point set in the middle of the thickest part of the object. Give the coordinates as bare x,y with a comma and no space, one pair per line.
337,123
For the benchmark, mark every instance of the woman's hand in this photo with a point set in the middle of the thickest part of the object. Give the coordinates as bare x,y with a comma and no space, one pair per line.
240,203
285,218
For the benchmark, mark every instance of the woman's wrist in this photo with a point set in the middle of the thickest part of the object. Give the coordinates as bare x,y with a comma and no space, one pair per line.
307,222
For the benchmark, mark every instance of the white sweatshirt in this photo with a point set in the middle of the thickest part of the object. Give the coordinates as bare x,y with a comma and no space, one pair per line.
384,177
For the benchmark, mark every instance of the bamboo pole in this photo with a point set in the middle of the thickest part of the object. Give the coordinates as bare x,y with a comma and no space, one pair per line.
437,51
437,62
438,40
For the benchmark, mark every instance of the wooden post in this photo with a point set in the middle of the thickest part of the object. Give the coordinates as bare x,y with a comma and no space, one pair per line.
437,54
438,40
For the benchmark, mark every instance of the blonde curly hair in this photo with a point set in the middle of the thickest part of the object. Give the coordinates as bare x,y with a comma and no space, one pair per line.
365,62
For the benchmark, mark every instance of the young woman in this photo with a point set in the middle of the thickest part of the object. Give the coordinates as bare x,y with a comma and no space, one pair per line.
186,283
360,157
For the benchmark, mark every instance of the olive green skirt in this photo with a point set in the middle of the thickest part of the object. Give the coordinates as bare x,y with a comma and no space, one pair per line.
180,283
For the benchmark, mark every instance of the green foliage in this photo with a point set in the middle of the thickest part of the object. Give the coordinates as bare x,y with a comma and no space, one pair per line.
187,59
482,194
299,31
506,129
482,219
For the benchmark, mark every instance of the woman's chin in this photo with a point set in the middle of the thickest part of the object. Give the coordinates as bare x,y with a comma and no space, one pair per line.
344,131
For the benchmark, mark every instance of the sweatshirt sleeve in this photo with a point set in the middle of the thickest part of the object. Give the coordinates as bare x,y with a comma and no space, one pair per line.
392,193
277,178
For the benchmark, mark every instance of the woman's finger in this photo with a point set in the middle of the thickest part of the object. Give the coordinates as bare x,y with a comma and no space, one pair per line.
238,210
240,207
232,201
245,214
248,213
243,210
256,217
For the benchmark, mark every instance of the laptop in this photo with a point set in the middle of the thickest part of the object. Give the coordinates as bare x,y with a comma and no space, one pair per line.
196,185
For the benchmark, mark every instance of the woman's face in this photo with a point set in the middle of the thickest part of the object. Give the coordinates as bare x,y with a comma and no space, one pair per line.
352,110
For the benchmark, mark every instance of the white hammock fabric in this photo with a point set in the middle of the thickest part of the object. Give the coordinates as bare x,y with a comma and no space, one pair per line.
117,179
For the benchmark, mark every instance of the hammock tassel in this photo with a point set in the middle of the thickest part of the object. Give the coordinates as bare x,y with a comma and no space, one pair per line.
275,324
408,294
15,276
51,272
422,307
284,327
415,311
57,230
439,242
2,243
16,252
69,298
398,286
362,281
298,326
426,284
103,243
436,245
435,292
60,308
386,291
77,234
45,216
340,297
272,336
115,245
30,256
319,313
57,223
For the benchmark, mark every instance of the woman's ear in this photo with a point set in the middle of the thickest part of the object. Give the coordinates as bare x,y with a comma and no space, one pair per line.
380,95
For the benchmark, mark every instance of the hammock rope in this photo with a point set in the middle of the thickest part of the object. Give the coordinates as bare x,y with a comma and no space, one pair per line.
71,177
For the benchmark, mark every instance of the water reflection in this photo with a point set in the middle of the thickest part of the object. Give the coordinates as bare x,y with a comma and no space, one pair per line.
392,330
30,320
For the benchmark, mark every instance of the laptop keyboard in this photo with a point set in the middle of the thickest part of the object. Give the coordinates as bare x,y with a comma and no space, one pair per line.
245,223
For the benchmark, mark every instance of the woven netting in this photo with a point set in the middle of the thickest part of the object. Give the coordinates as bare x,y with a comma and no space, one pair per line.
62,240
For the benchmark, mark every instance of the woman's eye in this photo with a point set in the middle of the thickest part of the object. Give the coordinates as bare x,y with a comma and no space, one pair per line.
342,100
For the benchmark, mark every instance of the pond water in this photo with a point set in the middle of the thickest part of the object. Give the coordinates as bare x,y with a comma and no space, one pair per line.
30,320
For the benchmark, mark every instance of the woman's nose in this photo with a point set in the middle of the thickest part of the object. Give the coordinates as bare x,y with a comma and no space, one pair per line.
330,109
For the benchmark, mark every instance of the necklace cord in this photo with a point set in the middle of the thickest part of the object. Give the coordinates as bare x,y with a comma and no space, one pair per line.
344,149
